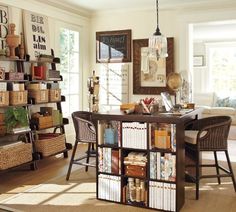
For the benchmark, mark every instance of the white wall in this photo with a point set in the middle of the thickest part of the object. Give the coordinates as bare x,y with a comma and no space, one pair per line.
173,23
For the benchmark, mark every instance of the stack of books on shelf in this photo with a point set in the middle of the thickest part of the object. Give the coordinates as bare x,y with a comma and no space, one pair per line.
134,135
162,167
135,164
162,196
109,187
108,160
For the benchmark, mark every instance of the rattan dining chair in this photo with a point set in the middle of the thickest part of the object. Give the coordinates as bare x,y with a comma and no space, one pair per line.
84,133
208,134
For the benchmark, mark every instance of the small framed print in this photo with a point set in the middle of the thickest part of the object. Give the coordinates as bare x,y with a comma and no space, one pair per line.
2,73
198,60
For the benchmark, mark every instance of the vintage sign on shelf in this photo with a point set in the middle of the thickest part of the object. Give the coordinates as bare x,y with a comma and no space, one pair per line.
36,31
4,21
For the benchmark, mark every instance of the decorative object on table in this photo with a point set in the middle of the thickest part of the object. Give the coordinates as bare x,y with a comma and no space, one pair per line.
147,106
158,43
174,81
186,89
12,40
93,96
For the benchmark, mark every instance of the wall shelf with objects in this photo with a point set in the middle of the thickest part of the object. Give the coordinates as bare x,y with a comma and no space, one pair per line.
138,157
45,95
25,145
16,143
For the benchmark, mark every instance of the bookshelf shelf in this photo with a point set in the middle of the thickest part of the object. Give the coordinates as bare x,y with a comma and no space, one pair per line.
150,159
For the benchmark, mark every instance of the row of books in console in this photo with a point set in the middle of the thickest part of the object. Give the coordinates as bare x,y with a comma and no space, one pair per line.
162,196
162,167
109,187
108,160
134,135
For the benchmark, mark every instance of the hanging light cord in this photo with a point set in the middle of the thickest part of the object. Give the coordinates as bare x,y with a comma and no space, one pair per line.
157,12
157,29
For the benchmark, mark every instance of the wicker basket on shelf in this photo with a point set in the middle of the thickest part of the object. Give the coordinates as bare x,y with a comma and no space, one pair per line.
15,154
40,96
50,143
18,97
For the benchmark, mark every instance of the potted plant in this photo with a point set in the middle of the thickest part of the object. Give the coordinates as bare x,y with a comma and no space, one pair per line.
16,119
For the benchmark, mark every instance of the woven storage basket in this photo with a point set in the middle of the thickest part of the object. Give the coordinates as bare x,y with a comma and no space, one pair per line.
18,97
4,98
15,155
54,95
50,143
40,96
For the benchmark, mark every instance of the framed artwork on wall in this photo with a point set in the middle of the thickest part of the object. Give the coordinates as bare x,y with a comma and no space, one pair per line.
36,31
198,60
113,46
149,74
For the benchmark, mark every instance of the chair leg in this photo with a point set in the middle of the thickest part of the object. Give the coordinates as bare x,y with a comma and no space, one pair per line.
88,156
197,176
71,161
230,169
217,167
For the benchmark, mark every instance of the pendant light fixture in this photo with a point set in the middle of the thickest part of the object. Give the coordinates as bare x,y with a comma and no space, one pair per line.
158,43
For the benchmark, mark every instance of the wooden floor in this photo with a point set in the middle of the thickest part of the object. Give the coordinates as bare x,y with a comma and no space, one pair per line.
21,179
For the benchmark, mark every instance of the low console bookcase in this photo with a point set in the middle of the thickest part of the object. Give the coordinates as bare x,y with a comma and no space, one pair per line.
140,160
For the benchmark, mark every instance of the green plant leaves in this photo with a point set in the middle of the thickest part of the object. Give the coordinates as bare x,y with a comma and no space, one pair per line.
15,117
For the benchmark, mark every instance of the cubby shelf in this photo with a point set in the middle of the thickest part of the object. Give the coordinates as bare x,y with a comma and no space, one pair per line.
156,173
31,134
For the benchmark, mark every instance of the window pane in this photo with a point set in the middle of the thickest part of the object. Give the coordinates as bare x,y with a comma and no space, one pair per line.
222,69
74,103
74,84
74,41
74,62
65,84
69,54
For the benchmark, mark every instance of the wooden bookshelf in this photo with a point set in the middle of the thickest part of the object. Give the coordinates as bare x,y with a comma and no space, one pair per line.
150,174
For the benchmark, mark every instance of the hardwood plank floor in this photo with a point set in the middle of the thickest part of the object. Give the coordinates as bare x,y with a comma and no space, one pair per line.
22,178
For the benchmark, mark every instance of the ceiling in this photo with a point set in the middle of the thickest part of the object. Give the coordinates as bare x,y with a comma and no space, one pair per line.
93,6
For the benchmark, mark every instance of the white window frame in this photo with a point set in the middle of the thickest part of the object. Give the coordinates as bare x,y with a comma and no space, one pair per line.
208,81
58,26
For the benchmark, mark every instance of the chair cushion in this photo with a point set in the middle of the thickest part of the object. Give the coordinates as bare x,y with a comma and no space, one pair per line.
191,136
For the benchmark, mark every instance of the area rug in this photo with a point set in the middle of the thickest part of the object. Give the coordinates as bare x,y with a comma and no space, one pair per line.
79,195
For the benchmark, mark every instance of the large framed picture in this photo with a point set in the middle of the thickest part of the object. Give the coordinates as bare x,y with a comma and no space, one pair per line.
36,31
150,74
113,46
